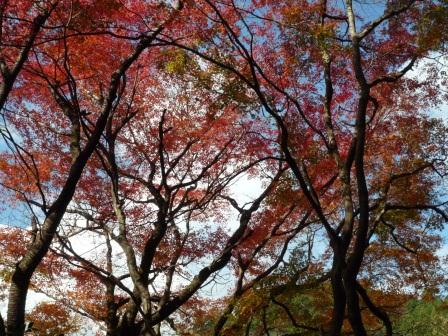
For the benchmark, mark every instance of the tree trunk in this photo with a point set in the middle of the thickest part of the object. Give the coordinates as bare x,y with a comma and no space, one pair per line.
24,270
339,298
353,309
16,304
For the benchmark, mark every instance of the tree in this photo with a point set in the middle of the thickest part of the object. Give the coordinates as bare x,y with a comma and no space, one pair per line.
51,87
161,170
294,57
143,147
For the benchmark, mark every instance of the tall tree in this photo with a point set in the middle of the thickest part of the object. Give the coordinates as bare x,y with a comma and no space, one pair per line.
309,96
52,89
330,80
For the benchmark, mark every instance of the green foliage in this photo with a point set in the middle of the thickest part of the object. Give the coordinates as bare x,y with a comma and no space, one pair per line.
423,318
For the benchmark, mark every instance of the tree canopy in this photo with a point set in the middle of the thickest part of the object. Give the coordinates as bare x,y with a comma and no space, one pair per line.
128,127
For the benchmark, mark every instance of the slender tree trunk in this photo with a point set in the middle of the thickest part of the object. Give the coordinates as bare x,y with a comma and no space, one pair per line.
353,309
111,317
339,299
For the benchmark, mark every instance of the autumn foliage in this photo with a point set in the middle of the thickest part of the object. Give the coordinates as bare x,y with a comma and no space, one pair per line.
221,167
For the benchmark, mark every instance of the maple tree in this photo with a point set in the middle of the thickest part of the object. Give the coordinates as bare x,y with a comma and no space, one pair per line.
175,178
51,92
140,149
182,182
294,56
